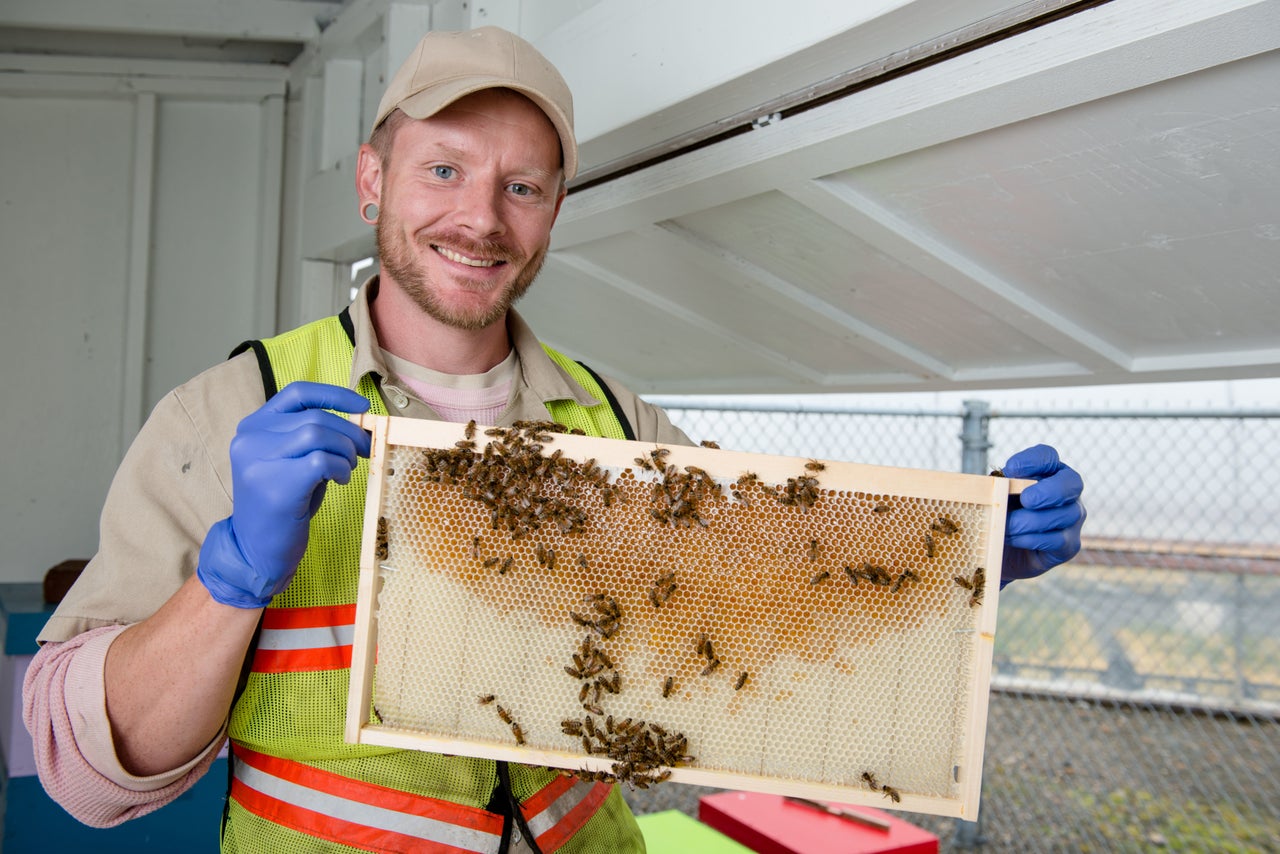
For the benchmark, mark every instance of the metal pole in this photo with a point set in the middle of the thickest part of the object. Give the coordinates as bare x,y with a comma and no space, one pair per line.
974,443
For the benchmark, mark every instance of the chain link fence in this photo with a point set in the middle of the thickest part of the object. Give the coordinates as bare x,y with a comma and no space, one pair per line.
1136,692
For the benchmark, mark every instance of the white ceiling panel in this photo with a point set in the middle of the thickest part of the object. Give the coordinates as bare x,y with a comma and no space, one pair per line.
1088,201
1150,217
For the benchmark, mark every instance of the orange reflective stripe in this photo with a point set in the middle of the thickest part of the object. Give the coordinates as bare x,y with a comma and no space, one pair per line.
339,809
560,809
306,618
305,639
301,660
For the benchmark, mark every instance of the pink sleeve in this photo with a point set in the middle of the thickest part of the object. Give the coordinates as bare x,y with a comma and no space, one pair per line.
64,708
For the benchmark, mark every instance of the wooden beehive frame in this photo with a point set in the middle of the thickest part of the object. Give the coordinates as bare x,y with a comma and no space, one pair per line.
986,493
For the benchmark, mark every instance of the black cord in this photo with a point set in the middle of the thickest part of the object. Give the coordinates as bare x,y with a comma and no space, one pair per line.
504,782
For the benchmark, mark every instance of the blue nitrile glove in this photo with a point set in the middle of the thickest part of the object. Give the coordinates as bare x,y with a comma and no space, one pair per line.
1044,530
282,458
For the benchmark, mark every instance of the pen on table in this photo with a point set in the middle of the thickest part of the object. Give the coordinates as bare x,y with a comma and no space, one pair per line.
860,818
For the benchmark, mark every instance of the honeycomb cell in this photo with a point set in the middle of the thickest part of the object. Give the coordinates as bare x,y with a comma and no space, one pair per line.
790,630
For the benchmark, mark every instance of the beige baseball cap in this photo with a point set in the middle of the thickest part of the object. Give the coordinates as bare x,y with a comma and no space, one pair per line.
446,66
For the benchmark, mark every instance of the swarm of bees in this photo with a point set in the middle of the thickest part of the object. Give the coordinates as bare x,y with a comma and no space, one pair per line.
643,753
526,489
604,617
799,492
676,499
595,668
522,488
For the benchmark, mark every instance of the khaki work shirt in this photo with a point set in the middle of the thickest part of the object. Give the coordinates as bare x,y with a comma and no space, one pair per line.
175,480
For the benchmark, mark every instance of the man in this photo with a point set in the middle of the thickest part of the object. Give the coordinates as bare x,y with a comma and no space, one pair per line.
229,512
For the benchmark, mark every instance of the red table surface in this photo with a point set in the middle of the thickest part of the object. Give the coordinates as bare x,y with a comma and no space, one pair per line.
769,824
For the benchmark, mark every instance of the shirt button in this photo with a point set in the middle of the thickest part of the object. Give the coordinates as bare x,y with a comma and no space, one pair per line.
398,398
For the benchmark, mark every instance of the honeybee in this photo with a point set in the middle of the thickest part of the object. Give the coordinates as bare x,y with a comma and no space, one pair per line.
945,525
506,565
707,443
870,780
464,444
518,733
997,472
491,562
929,547
814,465
742,680
711,666
881,508
906,575
815,549
475,547
659,456
486,699
819,578
582,560
667,686
381,550
470,431
571,727
503,714
852,573
891,792
644,463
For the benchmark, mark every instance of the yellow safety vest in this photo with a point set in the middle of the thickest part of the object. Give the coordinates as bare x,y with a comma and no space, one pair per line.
297,786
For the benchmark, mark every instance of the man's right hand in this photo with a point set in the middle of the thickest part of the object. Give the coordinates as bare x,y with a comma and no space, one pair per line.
282,458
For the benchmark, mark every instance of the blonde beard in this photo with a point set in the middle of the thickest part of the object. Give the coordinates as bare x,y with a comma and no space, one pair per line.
399,265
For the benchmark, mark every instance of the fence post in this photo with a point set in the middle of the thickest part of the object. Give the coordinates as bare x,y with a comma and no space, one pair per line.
974,443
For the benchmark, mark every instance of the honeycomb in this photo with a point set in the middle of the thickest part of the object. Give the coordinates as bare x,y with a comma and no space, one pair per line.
639,613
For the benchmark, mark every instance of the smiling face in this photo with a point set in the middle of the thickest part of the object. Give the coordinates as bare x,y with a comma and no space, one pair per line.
466,201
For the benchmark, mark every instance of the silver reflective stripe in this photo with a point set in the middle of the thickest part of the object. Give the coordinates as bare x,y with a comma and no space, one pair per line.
419,827
559,808
316,638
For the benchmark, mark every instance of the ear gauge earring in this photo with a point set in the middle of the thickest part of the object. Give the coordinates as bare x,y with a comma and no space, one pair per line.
369,212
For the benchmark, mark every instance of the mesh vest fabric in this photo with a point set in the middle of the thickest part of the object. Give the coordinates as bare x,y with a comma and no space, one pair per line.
300,715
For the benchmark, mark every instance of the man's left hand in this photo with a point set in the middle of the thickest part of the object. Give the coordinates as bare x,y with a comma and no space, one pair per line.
1045,530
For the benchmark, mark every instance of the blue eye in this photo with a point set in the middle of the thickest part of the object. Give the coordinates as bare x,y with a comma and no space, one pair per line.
443,172
521,189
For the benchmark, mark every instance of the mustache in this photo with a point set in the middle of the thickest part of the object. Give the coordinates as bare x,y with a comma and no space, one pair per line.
461,243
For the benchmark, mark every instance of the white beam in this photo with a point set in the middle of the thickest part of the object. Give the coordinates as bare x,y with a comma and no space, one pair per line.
232,20
877,226
340,111
134,334
636,291
270,195
794,300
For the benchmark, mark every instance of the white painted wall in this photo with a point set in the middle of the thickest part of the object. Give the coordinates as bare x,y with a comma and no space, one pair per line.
138,237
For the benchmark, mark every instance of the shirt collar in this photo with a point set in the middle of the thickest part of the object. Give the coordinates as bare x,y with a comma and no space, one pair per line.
543,379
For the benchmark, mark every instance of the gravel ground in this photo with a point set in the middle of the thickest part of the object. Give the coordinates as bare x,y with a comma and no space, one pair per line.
1065,775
